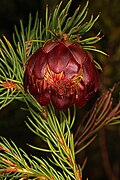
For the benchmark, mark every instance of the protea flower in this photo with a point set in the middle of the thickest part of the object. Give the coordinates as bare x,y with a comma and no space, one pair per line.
63,73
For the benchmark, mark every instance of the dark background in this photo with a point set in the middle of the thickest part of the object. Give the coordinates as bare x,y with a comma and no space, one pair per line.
12,117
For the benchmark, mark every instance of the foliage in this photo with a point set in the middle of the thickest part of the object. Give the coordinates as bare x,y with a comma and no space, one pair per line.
53,127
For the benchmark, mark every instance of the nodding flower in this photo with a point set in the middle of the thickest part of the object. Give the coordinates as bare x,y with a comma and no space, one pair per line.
62,73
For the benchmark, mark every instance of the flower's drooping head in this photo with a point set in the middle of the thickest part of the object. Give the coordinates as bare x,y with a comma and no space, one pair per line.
62,73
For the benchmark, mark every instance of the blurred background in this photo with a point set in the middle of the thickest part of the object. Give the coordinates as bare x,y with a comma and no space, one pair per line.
103,154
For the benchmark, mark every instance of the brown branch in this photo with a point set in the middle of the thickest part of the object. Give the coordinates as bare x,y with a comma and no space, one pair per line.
105,157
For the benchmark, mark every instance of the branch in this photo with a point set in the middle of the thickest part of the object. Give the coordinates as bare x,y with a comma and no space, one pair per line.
55,130
102,114
105,157
14,162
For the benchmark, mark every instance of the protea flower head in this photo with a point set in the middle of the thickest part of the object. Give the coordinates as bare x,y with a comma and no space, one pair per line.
63,73
62,70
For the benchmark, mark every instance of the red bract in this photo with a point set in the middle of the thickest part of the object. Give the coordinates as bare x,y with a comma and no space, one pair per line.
63,73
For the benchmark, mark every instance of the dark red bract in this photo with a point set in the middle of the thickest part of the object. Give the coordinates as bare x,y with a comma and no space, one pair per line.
62,73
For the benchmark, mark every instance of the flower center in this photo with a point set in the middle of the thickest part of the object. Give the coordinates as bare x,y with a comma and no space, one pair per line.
60,84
